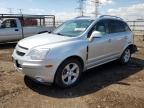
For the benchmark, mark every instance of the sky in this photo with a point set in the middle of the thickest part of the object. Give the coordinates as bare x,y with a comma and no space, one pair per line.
66,9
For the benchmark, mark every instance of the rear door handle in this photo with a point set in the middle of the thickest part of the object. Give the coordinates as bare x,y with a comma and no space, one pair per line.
16,29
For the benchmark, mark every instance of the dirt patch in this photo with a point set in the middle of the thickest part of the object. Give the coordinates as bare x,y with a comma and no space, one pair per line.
139,41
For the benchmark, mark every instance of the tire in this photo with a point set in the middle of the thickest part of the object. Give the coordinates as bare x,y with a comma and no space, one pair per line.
68,74
126,56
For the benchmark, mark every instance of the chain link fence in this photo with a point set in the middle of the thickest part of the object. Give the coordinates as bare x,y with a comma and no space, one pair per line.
138,30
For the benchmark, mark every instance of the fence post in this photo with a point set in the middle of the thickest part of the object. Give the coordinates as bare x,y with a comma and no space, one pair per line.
134,31
133,25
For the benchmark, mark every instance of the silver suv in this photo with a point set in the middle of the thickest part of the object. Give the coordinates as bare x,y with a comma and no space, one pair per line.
74,47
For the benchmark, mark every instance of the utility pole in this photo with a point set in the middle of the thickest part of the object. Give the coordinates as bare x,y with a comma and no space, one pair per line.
97,7
20,11
10,10
81,7
96,4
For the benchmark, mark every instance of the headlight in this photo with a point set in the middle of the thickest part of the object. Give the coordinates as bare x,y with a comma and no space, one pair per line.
38,54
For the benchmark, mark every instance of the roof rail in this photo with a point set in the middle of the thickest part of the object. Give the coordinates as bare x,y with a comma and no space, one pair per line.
110,16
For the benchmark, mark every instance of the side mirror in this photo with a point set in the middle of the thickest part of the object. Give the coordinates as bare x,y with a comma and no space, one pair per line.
95,34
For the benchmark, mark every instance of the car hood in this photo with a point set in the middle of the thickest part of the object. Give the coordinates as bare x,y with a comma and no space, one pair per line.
42,39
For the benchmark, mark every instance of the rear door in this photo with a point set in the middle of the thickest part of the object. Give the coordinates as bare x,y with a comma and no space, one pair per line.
9,31
30,31
118,36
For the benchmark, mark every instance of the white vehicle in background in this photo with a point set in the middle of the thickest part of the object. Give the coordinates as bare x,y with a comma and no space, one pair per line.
15,27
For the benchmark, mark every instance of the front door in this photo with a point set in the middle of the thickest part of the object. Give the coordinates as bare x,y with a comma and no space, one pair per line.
99,48
9,31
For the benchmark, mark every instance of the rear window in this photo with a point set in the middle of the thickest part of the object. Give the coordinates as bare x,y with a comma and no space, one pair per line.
10,23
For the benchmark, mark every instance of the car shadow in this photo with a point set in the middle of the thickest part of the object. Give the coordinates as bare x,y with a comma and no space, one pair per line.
92,80
7,45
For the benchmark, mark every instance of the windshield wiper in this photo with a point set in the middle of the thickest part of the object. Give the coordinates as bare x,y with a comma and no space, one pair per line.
59,34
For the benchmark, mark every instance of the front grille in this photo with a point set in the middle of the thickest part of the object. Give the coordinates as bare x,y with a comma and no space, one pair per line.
20,53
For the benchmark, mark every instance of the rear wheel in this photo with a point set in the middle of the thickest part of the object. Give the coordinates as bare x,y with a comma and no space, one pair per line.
68,73
125,58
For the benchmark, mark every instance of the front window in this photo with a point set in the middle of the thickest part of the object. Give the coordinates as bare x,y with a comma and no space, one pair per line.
73,28
10,23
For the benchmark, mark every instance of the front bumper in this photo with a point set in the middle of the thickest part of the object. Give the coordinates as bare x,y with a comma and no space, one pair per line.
37,70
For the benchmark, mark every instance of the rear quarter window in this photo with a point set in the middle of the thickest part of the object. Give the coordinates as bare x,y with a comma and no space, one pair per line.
116,26
126,27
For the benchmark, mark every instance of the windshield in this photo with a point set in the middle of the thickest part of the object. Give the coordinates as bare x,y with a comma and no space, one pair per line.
73,28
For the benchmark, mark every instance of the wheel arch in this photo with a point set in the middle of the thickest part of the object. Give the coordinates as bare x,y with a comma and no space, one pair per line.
74,57
71,57
132,47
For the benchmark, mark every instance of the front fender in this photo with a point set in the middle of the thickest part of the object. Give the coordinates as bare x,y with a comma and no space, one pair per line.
63,51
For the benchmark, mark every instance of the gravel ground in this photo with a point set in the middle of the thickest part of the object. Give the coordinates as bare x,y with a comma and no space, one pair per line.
107,86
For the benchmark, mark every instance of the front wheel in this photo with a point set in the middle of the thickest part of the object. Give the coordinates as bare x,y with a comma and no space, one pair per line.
125,58
68,73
